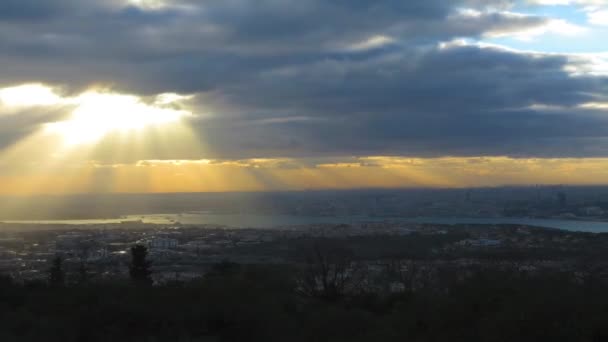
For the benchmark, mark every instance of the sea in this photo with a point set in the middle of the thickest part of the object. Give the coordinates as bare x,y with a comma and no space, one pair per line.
274,221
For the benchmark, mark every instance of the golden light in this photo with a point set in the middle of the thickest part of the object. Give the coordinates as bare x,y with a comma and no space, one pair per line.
83,153
29,95
98,114
61,156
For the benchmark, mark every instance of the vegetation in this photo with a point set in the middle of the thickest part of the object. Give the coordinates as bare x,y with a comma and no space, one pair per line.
56,274
329,297
139,269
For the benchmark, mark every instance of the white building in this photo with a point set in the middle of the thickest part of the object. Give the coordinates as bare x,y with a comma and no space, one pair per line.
162,243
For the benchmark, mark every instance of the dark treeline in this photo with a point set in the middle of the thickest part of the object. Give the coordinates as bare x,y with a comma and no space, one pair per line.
327,298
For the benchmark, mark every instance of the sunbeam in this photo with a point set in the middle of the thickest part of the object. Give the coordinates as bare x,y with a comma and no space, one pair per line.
98,114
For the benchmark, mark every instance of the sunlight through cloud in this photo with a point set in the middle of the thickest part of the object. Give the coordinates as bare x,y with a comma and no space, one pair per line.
98,114
29,95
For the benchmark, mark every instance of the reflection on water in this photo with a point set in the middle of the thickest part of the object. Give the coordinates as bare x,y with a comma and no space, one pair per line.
269,221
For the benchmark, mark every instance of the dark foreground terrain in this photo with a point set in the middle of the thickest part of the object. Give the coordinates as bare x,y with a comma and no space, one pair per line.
237,303
426,284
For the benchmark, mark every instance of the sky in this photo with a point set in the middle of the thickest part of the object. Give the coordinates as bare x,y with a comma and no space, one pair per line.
242,95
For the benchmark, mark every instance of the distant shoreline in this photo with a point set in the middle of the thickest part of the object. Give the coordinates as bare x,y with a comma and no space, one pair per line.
274,221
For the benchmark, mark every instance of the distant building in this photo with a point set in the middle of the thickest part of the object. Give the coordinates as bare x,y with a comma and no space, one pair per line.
162,243
480,242
97,254
593,211
69,241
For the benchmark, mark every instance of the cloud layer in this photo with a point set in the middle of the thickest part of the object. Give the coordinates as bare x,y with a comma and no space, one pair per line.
287,78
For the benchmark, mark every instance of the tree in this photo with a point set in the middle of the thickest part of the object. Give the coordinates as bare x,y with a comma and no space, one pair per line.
83,274
404,273
5,280
56,273
224,268
330,272
139,269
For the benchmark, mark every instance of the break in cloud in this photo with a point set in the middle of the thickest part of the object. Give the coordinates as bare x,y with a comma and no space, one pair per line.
318,78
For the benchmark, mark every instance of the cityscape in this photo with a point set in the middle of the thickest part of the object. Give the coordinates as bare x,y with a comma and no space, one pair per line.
186,252
303,171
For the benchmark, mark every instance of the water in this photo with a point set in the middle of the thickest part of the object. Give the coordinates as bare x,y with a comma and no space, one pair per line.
269,221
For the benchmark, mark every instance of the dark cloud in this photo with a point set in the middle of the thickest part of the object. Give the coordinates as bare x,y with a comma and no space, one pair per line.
195,45
22,123
304,78
461,100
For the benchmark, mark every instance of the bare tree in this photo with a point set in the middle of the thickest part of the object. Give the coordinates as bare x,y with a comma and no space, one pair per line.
404,275
330,272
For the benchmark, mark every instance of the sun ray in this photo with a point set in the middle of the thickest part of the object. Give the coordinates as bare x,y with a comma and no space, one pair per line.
99,114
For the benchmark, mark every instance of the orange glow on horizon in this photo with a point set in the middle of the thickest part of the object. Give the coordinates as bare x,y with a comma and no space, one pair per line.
269,175
118,143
